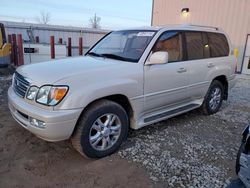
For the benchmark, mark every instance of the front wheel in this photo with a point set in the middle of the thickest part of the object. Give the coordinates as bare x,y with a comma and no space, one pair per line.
101,129
213,98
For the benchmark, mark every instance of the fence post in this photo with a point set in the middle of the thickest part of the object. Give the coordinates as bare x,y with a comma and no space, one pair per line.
20,49
69,47
14,46
80,46
37,39
11,42
52,47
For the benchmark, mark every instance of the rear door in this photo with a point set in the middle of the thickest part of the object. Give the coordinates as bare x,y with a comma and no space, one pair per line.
208,57
197,50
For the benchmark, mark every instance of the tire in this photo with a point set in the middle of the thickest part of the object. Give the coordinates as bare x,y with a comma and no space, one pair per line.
237,165
209,107
101,129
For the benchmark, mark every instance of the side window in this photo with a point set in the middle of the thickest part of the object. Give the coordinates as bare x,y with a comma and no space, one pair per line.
195,46
171,42
206,46
218,45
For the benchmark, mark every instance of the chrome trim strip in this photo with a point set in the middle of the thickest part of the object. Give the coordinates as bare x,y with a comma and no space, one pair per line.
165,91
199,83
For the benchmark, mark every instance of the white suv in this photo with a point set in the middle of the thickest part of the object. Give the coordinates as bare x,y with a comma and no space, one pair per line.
129,79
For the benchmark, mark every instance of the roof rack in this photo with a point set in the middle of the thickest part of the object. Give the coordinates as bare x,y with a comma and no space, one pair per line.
216,28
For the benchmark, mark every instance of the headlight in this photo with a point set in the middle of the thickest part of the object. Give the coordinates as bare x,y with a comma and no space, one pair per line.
31,94
43,95
51,95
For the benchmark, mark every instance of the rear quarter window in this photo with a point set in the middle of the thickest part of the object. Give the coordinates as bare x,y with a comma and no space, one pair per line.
218,45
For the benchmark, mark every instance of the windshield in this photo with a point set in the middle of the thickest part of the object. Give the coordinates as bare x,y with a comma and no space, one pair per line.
126,45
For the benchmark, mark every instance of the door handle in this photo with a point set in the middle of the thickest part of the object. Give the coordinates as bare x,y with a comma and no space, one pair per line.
210,65
181,70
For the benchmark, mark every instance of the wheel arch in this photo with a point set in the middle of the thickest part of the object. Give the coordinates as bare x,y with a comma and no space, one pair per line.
117,98
223,79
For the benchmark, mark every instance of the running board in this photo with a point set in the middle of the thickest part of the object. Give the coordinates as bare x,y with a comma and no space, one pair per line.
171,112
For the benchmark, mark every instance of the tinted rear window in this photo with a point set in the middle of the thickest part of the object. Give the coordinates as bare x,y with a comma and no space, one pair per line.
218,45
195,47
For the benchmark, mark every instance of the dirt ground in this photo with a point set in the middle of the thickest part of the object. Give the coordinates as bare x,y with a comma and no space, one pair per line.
27,161
191,150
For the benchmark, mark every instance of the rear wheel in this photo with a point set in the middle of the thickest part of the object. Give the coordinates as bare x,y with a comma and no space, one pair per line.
101,129
213,98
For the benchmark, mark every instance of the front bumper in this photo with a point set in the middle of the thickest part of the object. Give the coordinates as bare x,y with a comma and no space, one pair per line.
59,125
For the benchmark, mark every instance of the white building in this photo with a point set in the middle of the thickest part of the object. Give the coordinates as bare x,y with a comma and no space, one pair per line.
90,36
233,16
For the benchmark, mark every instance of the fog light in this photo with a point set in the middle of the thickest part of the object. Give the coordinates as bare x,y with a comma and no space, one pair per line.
37,123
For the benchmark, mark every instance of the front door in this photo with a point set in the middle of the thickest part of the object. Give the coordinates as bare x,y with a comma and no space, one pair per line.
166,85
246,60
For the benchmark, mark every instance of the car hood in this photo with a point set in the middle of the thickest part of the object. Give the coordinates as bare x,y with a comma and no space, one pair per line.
53,71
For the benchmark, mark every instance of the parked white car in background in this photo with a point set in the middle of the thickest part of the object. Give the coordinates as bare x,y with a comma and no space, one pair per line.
243,158
129,79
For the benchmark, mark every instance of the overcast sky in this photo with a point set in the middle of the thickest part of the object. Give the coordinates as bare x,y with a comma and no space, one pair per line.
115,14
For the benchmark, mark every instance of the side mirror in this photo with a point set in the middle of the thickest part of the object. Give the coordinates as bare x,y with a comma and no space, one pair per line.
160,57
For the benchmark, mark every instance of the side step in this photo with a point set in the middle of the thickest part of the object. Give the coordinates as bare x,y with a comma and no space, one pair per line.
171,112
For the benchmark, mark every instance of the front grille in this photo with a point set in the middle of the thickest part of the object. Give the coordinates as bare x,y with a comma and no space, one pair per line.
20,85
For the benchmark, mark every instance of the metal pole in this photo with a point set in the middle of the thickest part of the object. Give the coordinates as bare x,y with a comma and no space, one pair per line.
20,49
52,47
14,47
80,46
69,47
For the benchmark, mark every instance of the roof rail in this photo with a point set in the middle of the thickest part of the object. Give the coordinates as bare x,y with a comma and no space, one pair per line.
216,28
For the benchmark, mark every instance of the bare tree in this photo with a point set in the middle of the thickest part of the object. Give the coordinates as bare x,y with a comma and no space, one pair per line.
95,22
44,17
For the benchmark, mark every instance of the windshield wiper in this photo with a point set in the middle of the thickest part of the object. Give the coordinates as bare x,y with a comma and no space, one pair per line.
95,54
114,56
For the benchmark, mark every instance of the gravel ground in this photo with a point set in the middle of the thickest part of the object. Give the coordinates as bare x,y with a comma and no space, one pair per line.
191,150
